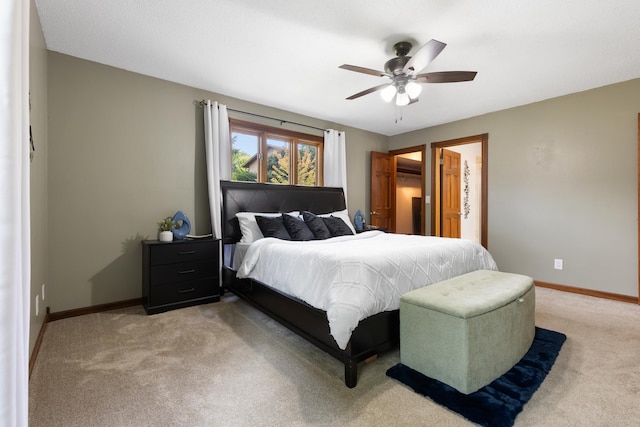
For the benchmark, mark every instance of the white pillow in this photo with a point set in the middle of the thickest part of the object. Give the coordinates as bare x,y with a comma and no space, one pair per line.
249,227
344,215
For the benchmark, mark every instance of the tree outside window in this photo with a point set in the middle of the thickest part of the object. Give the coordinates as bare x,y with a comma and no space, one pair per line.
265,154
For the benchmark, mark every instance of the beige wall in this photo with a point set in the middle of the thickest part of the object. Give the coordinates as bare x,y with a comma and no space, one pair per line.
125,151
562,184
38,177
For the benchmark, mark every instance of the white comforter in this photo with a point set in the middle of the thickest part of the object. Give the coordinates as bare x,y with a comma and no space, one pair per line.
354,277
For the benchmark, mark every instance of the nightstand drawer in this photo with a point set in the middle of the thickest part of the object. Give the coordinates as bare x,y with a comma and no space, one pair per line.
172,293
183,272
184,252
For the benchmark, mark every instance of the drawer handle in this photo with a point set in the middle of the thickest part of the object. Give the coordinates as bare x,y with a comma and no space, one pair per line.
186,252
185,291
193,270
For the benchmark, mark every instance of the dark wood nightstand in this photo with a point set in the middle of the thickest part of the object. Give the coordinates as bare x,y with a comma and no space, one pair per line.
371,228
179,273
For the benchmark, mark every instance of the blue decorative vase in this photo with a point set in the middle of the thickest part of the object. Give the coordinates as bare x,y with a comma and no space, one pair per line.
358,220
179,233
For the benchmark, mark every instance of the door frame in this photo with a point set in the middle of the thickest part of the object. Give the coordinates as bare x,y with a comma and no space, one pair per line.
483,139
423,173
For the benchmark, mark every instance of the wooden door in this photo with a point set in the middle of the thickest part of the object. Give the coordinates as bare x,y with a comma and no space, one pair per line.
436,187
450,194
383,191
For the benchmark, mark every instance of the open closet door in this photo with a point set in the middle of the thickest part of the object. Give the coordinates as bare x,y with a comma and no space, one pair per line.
383,184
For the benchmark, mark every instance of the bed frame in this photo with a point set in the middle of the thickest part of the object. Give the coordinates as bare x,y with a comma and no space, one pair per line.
373,335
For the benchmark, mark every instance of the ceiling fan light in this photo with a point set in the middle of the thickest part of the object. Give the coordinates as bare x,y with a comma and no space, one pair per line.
402,99
388,92
413,89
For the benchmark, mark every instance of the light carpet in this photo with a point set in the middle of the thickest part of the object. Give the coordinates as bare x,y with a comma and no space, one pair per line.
227,364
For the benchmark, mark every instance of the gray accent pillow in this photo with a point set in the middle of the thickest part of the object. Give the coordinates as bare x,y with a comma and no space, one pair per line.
297,228
337,226
316,225
273,227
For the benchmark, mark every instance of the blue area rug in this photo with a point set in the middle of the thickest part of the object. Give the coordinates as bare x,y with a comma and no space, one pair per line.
499,403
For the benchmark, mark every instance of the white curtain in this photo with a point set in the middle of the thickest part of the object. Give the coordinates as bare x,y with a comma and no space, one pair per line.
335,160
218,153
15,262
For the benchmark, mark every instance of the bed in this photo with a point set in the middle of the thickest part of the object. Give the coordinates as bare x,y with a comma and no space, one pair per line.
279,292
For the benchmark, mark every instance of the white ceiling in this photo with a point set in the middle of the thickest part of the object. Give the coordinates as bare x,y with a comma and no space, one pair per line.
285,53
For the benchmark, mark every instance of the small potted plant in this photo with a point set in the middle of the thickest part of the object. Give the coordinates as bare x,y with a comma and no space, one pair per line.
165,226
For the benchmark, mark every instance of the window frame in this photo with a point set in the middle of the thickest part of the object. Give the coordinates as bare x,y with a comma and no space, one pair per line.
293,138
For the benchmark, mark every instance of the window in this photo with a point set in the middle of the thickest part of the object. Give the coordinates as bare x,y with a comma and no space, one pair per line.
266,154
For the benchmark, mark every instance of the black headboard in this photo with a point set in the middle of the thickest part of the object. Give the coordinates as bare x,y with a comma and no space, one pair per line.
257,197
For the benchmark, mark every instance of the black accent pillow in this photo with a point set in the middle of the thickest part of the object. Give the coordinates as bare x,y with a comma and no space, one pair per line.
273,227
297,228
337,226
316,225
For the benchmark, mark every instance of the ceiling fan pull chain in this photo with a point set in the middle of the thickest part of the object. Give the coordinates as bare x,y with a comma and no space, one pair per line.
398,114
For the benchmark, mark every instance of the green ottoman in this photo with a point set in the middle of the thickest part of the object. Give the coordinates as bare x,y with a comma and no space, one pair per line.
469,330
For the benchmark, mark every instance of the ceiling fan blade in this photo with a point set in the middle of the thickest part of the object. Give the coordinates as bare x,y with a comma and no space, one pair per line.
368,91
424,56
446,77
364,70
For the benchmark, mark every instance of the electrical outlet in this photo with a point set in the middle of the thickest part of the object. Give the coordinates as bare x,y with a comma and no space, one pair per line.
37,305
43,292
557,264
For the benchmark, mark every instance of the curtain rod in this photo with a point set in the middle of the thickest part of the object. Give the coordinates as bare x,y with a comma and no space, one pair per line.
203,102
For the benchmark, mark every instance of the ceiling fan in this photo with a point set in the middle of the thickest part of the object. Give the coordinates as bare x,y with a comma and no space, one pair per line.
403,71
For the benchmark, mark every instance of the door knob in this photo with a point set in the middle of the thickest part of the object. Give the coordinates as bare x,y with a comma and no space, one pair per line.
373,213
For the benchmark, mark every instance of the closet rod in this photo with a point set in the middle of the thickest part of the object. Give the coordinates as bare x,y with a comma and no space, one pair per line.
282,122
